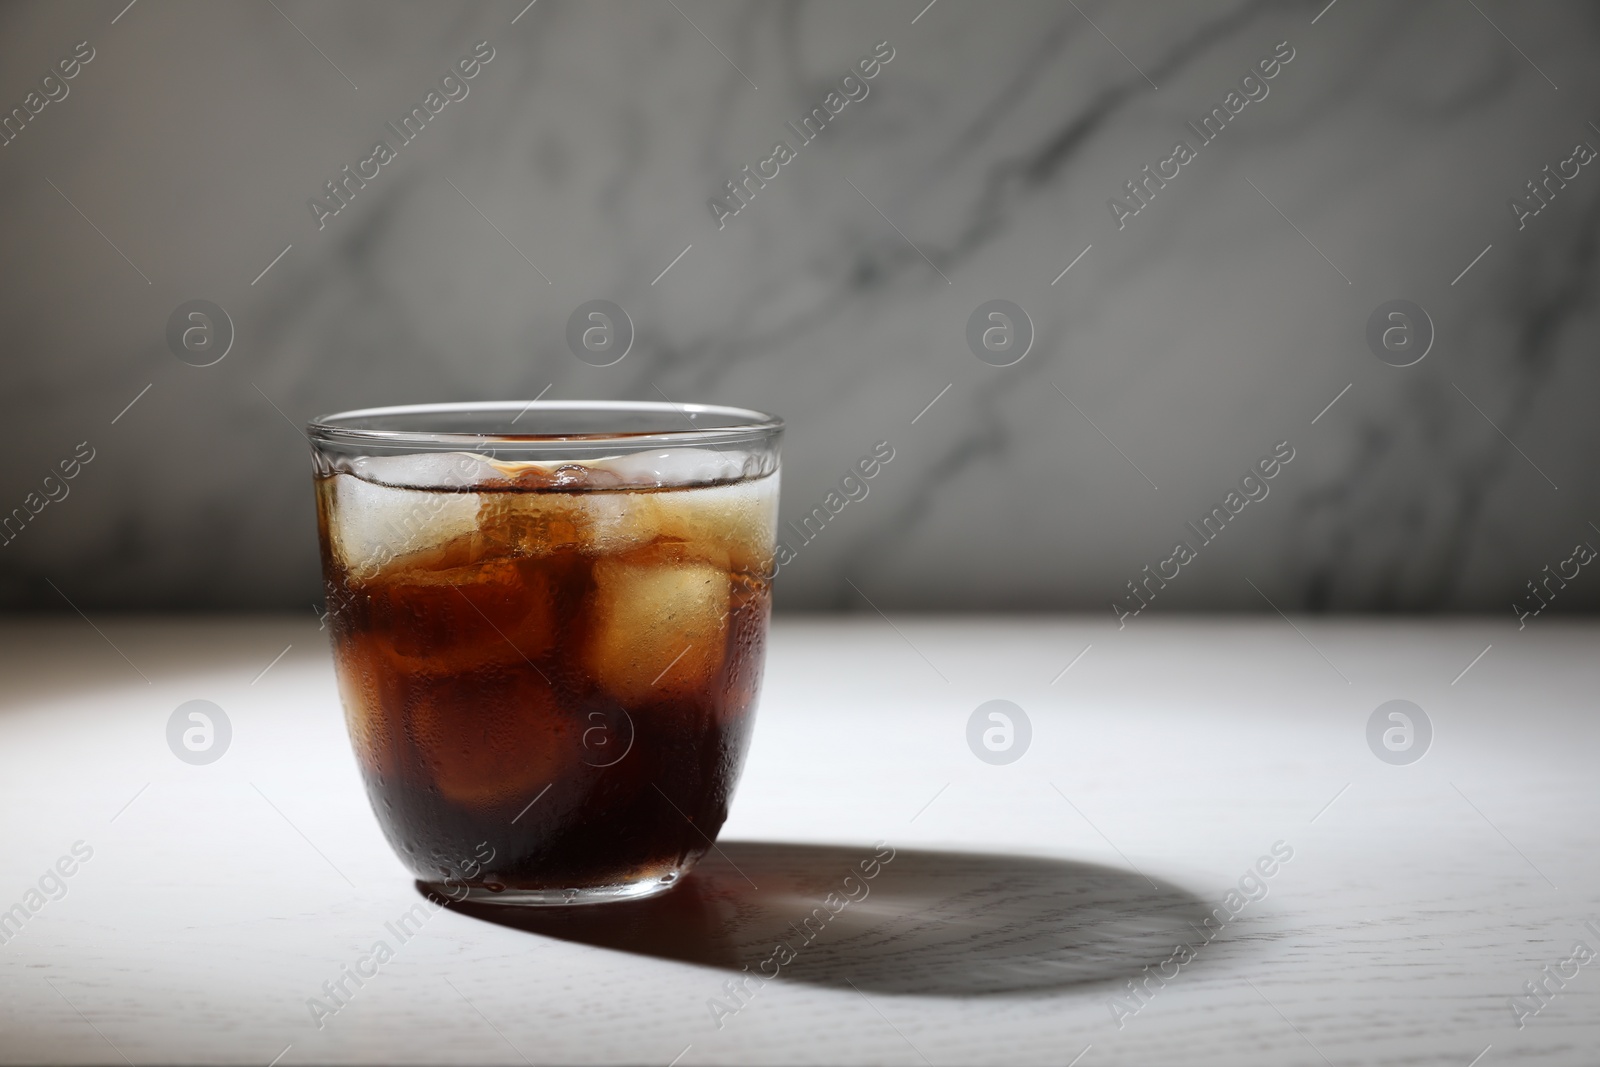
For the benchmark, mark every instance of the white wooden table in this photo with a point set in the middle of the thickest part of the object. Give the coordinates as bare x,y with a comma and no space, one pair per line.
1019,901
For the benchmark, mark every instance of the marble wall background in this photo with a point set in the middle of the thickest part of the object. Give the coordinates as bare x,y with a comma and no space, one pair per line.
1216,323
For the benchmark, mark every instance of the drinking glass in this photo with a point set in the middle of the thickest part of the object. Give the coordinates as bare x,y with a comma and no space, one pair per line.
549,626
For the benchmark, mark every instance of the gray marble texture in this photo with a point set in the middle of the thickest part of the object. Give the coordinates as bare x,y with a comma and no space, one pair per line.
1183,346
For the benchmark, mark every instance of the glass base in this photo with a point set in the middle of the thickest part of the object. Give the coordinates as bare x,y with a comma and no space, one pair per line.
653,885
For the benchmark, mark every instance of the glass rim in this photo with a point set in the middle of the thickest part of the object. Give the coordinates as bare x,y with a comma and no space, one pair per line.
739,425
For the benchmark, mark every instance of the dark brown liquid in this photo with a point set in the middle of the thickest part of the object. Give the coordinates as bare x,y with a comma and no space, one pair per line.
579,702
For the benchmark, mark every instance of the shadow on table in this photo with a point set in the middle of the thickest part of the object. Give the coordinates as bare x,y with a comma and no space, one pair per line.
943,923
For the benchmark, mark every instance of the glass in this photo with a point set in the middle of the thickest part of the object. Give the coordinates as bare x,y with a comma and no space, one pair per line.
549,626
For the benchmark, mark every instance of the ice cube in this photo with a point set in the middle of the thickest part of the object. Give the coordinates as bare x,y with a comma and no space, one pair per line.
730,526
530,524
494,613
650,469
492,738
657,626
372,525
676,466
428,470
537,524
